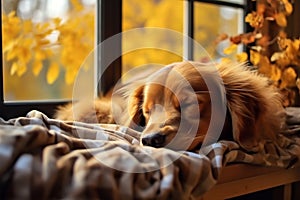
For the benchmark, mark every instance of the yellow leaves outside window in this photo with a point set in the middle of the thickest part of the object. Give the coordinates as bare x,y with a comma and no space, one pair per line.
53,72
242,57
27,47
232,48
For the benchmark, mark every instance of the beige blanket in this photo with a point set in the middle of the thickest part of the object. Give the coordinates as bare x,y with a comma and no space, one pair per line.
43,158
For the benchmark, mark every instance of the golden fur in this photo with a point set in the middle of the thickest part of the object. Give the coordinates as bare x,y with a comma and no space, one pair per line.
173,107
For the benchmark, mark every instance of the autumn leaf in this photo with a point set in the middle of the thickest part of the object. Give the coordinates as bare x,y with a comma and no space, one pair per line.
298,83
257,48
77,5
221,37
8,45
245,38
57,21
236,39
226,60
276,56
254,57
275,73
13,68
231,49
22,68
37,67
283,43
18,68
12,54
288,78
40,55
27,26
288,7
70,76
248,38
264,65
281,19
52,73
242,57
254,19
296,44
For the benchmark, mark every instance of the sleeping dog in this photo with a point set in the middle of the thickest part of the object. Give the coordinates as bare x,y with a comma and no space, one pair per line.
185,104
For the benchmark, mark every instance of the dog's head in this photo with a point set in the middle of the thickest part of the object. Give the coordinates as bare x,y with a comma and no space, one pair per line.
174,106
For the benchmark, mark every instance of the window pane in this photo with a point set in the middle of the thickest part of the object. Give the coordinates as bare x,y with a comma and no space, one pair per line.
45,43
165,14
212,20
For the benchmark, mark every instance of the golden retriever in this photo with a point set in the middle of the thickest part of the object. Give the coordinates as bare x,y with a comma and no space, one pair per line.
186,104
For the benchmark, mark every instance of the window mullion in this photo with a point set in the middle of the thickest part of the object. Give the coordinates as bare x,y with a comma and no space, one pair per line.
110,24
188,29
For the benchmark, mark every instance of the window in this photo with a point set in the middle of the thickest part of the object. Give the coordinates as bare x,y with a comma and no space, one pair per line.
44,44
173,19
220,17
201,20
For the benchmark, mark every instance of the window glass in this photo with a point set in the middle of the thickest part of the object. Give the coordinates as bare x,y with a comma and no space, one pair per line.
140,15
213,20
210,20
45,43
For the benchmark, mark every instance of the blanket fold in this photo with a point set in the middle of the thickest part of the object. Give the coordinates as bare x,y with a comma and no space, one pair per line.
44,158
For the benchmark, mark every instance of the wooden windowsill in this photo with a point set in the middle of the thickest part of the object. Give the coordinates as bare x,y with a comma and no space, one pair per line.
241,179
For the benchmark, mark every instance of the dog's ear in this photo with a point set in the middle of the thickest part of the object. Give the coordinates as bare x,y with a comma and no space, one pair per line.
244,122
137,120
254,105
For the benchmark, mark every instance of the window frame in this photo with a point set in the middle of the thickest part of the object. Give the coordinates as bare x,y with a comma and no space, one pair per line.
109,22
247,6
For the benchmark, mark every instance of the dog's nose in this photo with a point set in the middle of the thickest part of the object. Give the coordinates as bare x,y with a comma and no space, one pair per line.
154,140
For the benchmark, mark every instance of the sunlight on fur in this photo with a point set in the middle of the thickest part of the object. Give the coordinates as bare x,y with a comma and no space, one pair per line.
254,108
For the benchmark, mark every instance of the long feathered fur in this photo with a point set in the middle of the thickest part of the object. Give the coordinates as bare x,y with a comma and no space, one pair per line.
254,104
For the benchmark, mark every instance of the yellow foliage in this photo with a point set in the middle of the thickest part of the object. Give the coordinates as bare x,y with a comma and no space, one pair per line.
275,73
26,43
18,68
14,68
281,19
77,5
52,73
254,57
242,57
288,7
281,67
229,50
288,78
254,19
37,67
151,14
226,60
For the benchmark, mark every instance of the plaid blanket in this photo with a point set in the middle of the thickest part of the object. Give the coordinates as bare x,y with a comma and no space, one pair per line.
44,158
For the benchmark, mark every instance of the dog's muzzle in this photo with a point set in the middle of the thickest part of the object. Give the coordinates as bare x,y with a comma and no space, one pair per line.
155,140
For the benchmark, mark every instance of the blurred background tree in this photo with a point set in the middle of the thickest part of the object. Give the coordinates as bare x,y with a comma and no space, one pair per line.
210,22
44,45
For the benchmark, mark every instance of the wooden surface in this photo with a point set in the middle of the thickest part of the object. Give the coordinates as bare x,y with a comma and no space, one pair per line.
240,179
